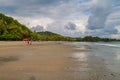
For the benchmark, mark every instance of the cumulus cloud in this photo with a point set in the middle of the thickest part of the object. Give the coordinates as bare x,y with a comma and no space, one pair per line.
70,26
71,30
118,32
99,13
103,19
38,28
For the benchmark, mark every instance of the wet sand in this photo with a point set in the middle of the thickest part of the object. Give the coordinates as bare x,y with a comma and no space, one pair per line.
50,61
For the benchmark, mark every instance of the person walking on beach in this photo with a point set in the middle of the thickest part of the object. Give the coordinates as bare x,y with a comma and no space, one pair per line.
30,42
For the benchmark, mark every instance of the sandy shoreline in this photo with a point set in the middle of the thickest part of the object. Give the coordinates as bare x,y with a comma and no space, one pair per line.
49,61
41,60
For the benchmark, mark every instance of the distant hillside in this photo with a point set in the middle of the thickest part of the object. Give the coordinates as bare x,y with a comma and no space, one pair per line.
11,29
48,33
50,36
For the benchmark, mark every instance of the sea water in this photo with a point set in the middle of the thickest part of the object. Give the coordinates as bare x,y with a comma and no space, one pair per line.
108,51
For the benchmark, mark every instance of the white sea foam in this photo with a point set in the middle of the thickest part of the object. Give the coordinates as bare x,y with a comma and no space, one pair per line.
109,44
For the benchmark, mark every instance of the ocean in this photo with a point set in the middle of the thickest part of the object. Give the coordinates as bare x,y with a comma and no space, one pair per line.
102,58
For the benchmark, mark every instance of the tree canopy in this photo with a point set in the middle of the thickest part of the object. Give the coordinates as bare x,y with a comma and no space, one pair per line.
11,29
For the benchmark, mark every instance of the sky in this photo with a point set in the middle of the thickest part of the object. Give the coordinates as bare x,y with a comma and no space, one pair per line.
75,18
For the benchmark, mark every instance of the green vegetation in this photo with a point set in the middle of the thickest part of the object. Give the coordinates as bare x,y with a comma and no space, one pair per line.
95,39
47,33
11,29
50,36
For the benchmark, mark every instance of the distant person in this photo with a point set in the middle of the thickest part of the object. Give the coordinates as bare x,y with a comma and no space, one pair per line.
30,42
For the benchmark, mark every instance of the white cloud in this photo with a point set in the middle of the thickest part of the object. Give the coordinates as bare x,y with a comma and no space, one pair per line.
60,27
81,25
118,28
118,32
34,21
117,36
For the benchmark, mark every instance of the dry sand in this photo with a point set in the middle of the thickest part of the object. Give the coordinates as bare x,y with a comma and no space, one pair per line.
48,61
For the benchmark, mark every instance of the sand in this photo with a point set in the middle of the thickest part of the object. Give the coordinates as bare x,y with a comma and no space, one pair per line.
49,61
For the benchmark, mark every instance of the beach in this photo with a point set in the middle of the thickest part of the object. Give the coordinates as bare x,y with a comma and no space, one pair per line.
56,61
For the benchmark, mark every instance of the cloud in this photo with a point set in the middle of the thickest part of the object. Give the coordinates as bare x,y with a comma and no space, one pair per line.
34,21
118,28
61,28
99,13
55,9
103,32
32,2
38,28
118,32
57,27
104,18
67,17
114,18
70,26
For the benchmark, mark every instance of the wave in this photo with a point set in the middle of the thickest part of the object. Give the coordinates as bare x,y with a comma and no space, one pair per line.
109,44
